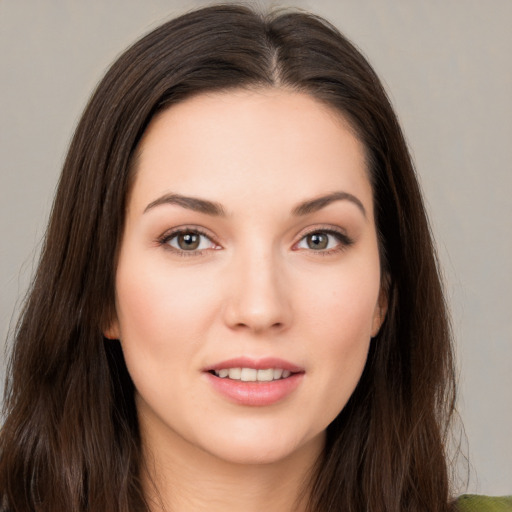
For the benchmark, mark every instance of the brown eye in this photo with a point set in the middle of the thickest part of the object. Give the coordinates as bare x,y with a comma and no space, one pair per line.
317,241
325,241
188,241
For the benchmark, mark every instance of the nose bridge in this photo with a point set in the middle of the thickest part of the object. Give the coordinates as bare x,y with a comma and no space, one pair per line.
257,298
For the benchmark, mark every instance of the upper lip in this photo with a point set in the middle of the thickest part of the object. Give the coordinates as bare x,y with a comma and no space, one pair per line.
257,364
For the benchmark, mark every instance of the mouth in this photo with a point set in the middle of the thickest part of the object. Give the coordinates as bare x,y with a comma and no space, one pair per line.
252,374
255,382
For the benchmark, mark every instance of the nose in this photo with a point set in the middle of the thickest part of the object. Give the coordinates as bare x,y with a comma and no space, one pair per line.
258,296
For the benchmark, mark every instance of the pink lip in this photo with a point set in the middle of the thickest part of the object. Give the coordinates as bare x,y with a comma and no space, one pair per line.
257,364
255,393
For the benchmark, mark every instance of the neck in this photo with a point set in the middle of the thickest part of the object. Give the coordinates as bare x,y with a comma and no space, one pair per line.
182,478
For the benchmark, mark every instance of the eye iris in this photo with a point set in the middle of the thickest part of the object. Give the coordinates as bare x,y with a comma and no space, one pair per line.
318,241
188,241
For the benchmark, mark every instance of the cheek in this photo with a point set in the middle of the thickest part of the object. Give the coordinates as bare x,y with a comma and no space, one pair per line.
342,304
158,314
151,298
161,331
339,317
343,329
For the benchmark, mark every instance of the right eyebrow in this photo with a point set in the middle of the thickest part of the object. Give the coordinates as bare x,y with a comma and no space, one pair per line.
190,203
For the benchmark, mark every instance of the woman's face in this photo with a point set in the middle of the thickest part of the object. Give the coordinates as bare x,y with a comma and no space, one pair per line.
248,280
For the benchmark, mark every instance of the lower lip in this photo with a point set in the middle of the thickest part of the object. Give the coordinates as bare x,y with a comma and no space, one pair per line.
255,393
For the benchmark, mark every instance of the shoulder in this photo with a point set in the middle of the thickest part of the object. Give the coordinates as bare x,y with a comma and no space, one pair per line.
477,503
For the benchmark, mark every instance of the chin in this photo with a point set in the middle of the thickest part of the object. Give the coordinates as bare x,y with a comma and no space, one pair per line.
253,455
267,448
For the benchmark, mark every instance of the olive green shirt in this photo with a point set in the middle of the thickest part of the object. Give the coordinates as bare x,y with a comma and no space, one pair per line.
477,503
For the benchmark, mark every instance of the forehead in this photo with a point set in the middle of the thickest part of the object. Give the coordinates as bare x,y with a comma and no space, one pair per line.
239,145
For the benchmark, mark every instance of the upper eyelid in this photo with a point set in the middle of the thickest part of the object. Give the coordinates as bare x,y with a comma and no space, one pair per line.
172,232
326,228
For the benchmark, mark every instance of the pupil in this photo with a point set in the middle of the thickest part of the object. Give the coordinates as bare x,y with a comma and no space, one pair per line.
188,241
317,241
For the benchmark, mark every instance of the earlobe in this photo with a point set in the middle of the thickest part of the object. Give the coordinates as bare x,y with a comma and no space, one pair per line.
379,315
112,331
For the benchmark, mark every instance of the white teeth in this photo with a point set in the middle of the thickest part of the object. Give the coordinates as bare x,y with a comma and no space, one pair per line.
249,375
253,375
278,373
266,375
235,373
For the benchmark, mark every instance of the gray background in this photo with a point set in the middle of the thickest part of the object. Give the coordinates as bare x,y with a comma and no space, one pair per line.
447,66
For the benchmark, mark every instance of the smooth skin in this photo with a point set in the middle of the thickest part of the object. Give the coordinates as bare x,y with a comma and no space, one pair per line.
253,275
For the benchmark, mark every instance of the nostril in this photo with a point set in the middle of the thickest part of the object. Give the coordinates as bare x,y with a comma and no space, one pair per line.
257,326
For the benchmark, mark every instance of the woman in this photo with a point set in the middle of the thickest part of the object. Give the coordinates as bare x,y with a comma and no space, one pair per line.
238,302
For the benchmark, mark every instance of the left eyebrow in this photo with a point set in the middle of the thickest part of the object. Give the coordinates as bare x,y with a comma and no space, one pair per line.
318,203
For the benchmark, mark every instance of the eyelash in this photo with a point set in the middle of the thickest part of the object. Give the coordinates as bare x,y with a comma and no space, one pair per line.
343,240
169,235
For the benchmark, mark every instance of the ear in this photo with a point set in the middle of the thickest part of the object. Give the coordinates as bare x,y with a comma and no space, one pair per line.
112,332
380,311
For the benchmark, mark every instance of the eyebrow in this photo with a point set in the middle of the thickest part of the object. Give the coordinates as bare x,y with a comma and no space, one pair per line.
190,203
308,207
217,210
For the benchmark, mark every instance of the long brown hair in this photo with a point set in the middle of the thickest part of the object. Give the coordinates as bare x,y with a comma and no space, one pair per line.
70,440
